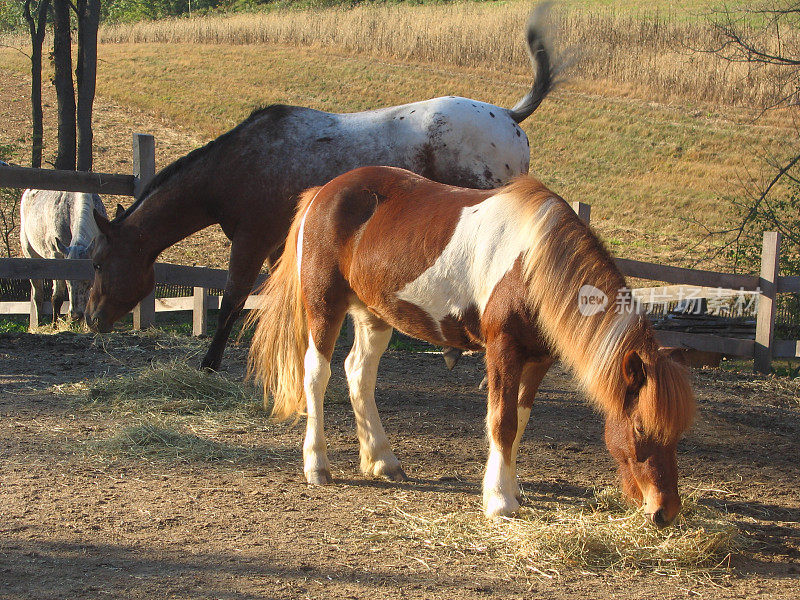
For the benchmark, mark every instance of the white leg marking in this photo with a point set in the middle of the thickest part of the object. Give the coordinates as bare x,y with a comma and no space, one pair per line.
499,486
317,371
361,366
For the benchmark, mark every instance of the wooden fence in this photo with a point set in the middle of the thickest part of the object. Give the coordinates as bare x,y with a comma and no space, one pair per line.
767,285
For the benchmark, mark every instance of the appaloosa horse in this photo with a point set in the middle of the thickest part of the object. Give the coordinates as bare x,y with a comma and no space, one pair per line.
248,180
59,225
500,270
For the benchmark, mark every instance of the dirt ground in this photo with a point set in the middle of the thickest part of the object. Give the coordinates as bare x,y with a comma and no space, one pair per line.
77,521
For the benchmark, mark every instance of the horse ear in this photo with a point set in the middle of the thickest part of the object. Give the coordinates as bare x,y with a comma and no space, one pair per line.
61,247
120,211
103,224
633,370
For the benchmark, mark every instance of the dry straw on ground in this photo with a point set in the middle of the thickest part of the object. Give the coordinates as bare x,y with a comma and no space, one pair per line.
172,387
602,534
655,53
173,411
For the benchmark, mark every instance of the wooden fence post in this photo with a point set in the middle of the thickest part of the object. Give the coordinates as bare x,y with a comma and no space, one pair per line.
200,312
144,160
144,167
144,313
582,210
768,284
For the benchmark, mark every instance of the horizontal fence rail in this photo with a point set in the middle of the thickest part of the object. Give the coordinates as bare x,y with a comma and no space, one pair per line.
67,181
202,279
669,274
766,286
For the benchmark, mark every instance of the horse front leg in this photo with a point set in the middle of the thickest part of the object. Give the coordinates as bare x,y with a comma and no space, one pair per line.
504,367
532,375
243,269
59,295
361,365
37,299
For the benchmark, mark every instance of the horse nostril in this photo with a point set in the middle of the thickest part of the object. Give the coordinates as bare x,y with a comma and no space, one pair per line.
659,519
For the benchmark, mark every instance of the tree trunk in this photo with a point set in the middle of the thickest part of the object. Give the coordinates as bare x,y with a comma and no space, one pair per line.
37,27
65,91
86,76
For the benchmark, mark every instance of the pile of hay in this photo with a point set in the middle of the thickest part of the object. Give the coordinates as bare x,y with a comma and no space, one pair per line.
601,534
172,387
151,439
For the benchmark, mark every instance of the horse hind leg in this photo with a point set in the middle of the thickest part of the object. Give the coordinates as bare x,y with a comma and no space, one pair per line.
371,340
317,372
37,301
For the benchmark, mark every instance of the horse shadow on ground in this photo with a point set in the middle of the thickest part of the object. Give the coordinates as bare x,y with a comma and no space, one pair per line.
38,569
533,492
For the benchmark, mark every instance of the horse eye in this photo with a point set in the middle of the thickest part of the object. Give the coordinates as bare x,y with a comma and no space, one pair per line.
96,267
638,430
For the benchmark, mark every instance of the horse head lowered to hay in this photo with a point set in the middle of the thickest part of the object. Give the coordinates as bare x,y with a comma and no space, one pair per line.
500,270
248,180
59,225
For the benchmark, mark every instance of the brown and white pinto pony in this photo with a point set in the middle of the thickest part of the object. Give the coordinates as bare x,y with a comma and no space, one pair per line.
498,270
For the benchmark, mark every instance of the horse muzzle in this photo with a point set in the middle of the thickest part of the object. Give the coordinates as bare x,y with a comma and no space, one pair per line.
661,512
95,322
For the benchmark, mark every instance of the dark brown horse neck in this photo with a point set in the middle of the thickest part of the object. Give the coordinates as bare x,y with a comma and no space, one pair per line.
170,213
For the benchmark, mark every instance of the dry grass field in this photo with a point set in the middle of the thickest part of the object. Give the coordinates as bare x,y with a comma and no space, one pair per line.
651,53
656,173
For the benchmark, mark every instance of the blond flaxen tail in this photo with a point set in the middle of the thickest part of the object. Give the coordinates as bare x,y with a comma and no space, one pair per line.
280,341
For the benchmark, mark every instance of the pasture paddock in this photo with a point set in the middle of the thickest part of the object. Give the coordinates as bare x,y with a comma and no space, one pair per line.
218,508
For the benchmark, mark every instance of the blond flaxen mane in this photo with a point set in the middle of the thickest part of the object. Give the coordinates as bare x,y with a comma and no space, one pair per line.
565,255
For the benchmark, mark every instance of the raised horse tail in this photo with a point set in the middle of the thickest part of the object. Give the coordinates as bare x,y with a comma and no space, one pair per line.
280,341
540,58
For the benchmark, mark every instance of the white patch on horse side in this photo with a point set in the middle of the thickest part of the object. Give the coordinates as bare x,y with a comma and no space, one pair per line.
486,243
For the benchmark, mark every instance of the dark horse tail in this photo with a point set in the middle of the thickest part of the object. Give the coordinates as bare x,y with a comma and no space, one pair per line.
541,61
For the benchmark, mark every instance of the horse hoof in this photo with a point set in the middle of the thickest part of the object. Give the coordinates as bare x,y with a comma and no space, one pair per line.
210,366
496,506
321,477
451,356
396,474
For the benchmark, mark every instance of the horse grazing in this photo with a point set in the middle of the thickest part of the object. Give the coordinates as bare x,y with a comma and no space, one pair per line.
59,225
499,270
248,180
